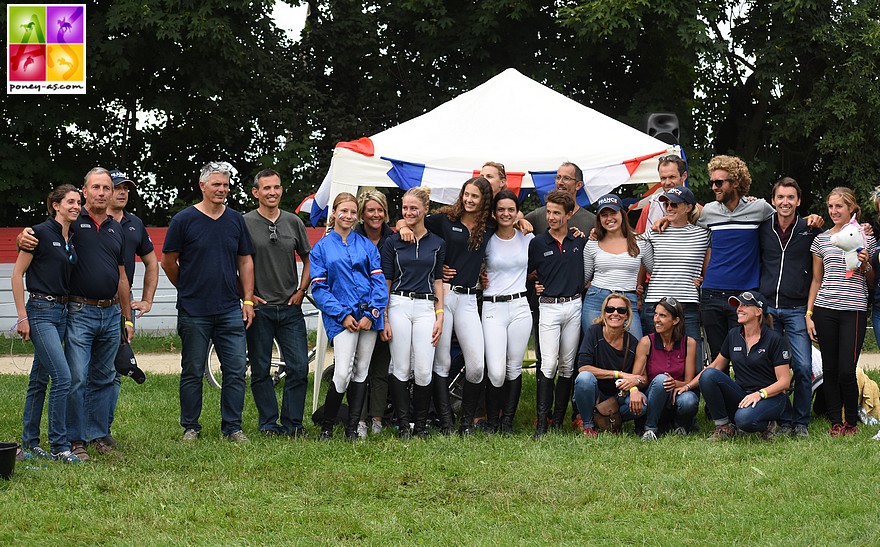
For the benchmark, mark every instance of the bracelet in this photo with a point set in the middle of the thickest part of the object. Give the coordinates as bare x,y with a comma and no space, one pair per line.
634,388
616,374
439,311
248,303
129,323
20,321
809,313
687,387
763,392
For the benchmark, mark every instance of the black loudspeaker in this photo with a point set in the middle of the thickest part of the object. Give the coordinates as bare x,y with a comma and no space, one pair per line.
662,126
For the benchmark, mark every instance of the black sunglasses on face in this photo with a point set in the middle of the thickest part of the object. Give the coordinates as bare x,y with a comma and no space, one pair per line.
719,182
619,309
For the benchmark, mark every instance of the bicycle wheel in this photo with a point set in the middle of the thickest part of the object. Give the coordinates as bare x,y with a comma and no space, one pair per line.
212,368
276,364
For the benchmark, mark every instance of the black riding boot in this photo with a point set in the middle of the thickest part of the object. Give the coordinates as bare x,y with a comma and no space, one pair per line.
562,398
331,409
357,392
512,390
400,397
440,388
421,404
494,396
468,408
544,398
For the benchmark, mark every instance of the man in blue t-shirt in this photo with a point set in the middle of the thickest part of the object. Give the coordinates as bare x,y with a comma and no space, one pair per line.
207,256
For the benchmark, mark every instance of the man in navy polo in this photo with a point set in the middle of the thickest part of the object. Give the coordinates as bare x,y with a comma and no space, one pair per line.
557,257
207,256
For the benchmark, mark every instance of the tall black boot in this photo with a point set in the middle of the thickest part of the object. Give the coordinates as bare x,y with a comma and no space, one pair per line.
400,397
421,403
544,398
512,390
468,408
494,395
331,409
357,393
440,388
562,398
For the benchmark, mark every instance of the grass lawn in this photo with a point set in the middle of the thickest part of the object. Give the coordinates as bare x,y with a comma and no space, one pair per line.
484,490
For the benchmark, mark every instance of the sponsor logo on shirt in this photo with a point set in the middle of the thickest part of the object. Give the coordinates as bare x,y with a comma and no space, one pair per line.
737,348
85,225
548,253
56,244
131,229
457,229
785,354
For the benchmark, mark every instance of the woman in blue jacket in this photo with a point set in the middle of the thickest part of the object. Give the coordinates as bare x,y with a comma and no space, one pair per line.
350,290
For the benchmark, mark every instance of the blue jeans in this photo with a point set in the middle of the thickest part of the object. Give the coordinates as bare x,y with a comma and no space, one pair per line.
287,325
90,346
723,395
691,325
792,323
48,322
592,307
228,334
659,400
587,394
875,322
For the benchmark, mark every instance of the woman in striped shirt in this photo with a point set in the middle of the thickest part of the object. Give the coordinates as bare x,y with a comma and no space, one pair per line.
837,312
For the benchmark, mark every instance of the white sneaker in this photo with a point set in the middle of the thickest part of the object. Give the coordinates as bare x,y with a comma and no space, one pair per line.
680,431
649,435
377,427
876,437
362,430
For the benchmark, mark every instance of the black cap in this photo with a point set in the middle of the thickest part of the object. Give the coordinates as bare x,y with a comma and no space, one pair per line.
126,364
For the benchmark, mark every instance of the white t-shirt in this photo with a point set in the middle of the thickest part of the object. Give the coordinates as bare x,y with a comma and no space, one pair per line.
506,264
615,272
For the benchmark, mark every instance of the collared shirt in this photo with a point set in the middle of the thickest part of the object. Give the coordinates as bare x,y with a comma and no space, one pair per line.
755,366
560,267
786,262
49,272
663,361
275,271
413,267
467,263
100,250
137,242
207,283
386,233
582,219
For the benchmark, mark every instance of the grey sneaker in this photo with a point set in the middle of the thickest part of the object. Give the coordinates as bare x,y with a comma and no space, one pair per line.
801,431
40,453
785,430
376,428
680,431
67,457
190,435
238,437
649,435
362,430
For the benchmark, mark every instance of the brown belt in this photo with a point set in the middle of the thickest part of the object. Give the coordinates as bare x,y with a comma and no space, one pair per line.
106,303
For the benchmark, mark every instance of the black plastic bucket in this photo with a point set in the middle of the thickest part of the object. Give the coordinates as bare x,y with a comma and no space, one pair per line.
7,459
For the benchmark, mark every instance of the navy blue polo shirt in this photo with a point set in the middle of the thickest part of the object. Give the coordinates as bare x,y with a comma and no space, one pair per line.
754,368
560,267
466,263
49,272
137,242
207,282
386,233
100,250
413,267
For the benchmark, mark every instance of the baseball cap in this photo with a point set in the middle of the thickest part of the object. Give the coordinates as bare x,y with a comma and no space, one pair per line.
609,201
679,194
119,177
749,298
126,364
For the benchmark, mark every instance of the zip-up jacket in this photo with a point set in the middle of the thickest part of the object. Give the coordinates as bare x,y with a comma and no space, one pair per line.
786,270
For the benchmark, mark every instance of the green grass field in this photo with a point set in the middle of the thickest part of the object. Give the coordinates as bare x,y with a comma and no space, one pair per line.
563,489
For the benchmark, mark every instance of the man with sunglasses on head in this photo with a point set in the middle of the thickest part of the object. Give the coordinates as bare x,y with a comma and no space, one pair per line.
207,256
278,237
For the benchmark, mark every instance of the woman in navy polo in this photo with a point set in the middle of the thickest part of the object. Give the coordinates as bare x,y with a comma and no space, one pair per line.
44,320
760,357
414,316
349,289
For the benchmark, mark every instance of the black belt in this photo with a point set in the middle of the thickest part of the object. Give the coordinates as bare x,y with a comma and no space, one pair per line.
415,295
557,299
49,297
504,298
105,303
463,290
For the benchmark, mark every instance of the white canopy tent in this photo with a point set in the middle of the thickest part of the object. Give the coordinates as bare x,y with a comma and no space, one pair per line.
510,119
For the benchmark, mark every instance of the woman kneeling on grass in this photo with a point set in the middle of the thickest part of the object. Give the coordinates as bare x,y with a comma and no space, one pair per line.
349,289
606,357
761,358
669,359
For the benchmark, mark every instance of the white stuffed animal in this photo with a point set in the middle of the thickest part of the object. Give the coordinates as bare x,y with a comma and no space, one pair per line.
850,239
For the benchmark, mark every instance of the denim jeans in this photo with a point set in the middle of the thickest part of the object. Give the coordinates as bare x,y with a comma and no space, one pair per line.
691,325
792,323
228,334
287,325
593,300
660,400
48,322
723,396
587,394
875,322
90,346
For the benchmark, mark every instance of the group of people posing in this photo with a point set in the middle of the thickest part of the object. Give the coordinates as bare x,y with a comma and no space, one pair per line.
616,315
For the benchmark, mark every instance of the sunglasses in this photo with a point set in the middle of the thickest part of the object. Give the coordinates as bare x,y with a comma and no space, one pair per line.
719,182
273,233
749,297
669,158
619,309
670,304
71,252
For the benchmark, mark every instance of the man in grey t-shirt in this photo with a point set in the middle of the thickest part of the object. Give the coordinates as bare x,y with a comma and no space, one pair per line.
278,236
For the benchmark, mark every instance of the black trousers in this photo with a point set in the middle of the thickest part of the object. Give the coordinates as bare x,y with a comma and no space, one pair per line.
841,335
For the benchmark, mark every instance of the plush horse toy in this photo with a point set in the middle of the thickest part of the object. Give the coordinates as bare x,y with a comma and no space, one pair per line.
850,239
